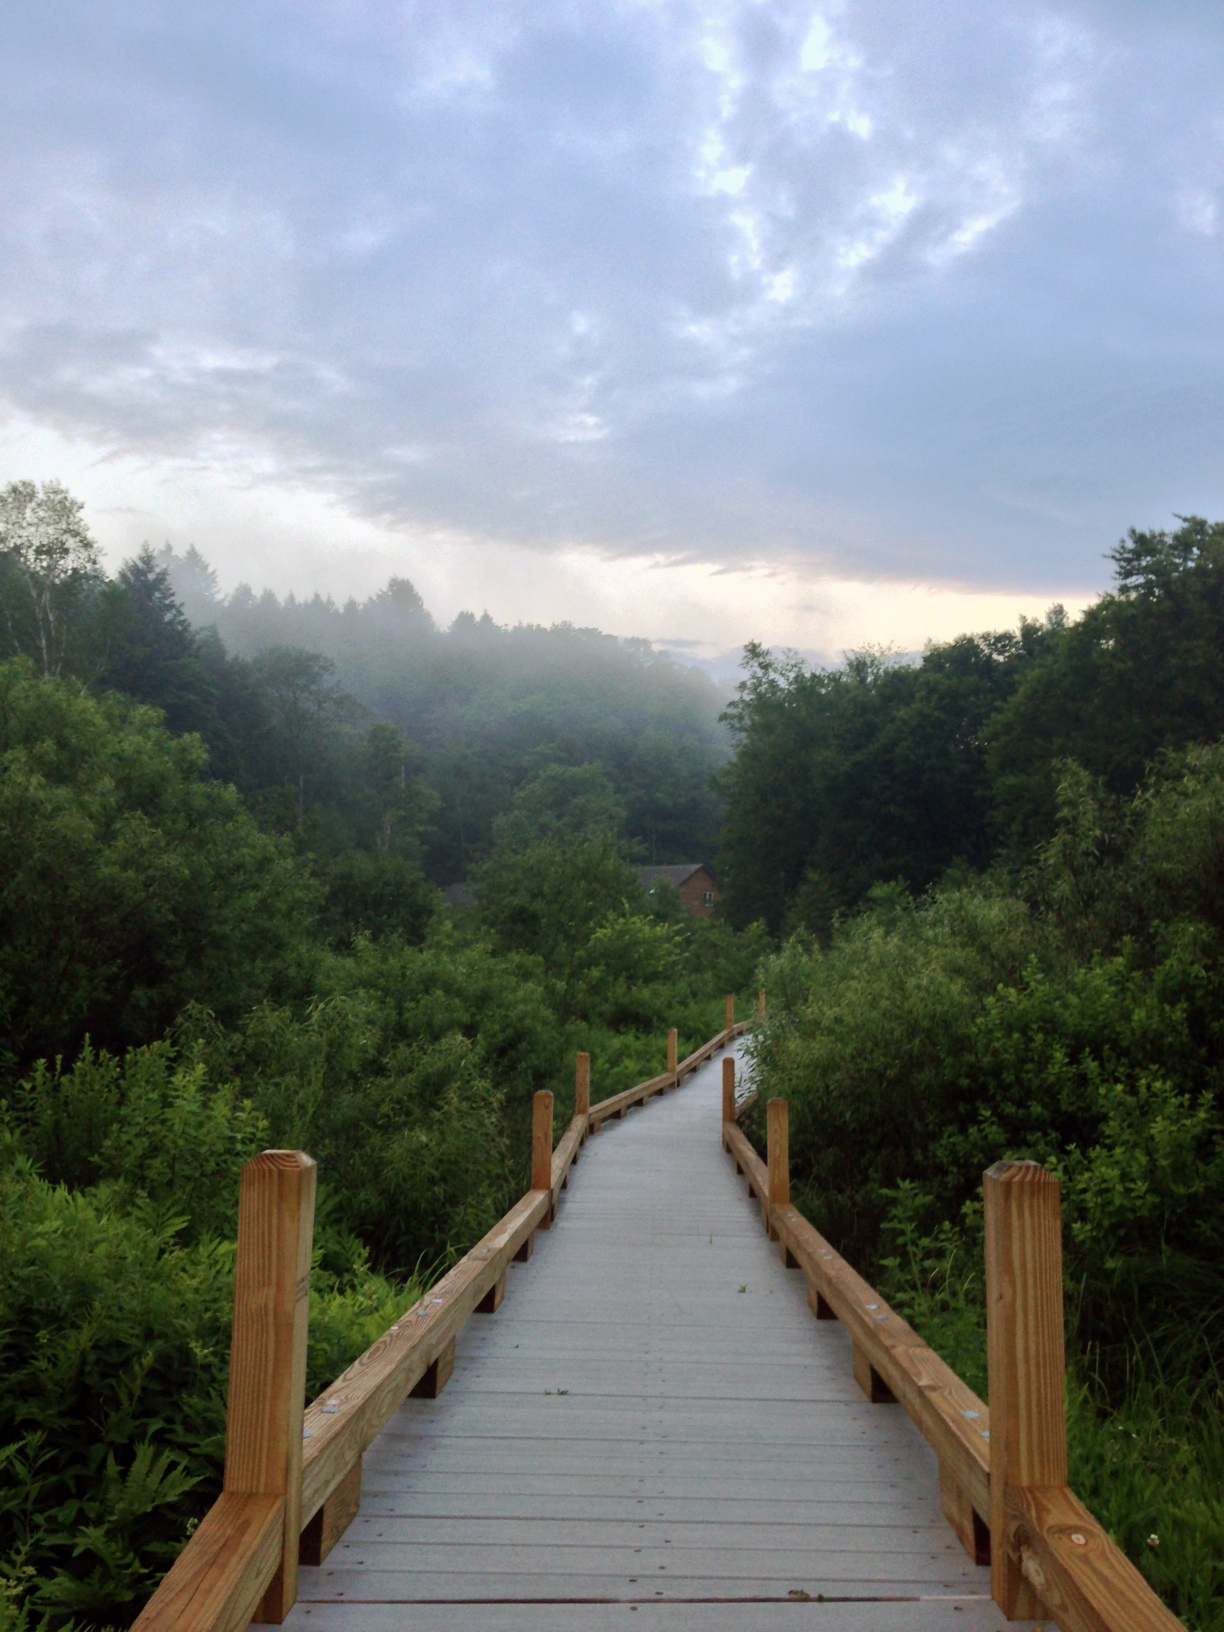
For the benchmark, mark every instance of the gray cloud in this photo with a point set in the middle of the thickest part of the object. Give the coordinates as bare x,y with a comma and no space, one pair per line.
906,291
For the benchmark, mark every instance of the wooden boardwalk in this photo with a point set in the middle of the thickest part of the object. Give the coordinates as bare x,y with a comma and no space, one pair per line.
652,1433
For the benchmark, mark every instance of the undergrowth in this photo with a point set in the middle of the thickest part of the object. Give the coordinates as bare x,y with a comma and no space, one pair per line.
1145,1424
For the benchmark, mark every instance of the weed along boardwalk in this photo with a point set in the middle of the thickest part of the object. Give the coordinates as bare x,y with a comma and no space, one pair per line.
652,1431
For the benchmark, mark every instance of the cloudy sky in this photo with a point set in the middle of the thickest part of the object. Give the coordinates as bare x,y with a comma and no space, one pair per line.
814,323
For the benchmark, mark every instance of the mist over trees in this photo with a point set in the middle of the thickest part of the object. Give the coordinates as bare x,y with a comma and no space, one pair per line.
487,707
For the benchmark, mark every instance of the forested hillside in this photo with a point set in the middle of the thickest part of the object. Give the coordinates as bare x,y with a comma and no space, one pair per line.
483,707
883,771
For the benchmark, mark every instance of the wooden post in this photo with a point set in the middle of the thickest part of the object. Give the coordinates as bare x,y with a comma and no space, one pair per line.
1024,1331
542,1146
761,1003
730,1011
582,1084
777,1152
729,1088
672,1044
267,1382
777,1130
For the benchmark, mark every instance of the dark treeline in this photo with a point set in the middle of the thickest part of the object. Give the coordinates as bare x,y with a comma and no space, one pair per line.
881,771
999,880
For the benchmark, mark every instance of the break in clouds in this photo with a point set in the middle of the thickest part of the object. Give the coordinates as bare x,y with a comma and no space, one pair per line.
924,291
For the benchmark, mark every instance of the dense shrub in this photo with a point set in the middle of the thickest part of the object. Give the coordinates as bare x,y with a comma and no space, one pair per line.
1072,1019
128,885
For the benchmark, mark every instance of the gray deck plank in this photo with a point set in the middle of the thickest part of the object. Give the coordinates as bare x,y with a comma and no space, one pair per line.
635,1442
940,1615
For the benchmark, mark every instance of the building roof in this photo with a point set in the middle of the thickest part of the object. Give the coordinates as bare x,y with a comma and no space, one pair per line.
458,895
675,875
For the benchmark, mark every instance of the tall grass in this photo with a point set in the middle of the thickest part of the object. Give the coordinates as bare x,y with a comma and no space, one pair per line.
1145,1423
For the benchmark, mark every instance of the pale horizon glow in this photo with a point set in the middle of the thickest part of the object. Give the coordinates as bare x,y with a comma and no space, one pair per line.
294,540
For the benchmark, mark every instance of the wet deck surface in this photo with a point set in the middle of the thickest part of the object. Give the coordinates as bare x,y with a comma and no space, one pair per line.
651,1433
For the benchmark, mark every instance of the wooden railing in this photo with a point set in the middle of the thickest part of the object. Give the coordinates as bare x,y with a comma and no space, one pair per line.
1002,1475
292,1481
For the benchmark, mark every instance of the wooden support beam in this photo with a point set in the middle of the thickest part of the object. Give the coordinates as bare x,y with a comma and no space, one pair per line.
730,1012
820,1305
1024,1303
564,1156
1084,1581
870,1381
492,1300
333,1518
267,1382
523,1255
673,1042
437,1374
582,1084
971,1529
349,1414
728,1094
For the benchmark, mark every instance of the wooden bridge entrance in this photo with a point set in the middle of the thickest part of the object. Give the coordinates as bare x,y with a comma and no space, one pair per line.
653,1432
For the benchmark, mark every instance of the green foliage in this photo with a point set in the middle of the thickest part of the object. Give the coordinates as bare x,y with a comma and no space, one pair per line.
376,896
849,778
409,1079
128,886
150,1124
1137,674
880,771
565,805
1073,1021
115,1343
115,1300
548,899
624,975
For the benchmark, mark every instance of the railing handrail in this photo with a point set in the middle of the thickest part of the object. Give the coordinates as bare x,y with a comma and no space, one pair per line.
221,1578
1049,1556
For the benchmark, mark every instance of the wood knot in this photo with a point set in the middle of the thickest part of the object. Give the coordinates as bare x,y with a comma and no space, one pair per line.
1031,1570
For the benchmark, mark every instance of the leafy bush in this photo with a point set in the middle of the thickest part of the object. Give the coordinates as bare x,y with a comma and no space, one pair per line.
1073,1020
149,1124
114,1337
128,885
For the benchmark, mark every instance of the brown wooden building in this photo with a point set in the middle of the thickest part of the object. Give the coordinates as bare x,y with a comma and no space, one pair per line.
692,881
